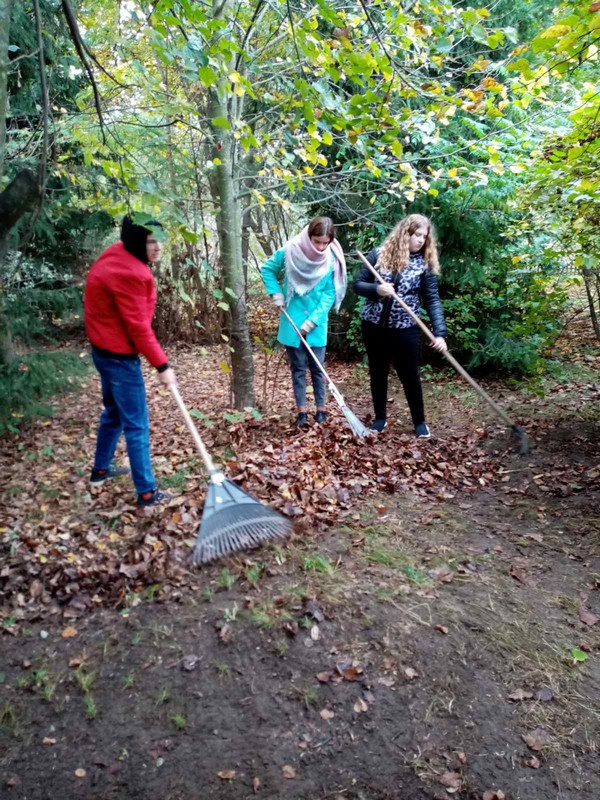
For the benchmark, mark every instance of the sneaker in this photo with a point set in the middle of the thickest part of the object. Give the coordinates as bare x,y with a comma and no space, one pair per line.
152,498
321,416
98,476
302,420
378,425
422,431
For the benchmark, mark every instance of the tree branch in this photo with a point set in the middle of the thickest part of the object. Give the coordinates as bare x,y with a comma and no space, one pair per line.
80,47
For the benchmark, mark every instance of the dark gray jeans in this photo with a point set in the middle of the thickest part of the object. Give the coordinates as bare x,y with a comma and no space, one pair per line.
300,359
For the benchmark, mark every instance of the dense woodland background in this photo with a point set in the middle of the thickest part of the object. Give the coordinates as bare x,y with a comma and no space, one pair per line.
235,122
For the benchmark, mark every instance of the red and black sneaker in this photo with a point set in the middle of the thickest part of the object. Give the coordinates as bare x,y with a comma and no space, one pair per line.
98,476
153,498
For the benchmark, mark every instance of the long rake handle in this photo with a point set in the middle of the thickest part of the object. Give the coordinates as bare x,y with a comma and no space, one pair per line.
208,462
450,358
332,387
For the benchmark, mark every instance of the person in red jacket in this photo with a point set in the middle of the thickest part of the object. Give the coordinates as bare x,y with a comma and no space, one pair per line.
119,302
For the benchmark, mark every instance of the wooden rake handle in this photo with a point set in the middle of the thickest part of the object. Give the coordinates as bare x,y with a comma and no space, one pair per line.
448,356
208,462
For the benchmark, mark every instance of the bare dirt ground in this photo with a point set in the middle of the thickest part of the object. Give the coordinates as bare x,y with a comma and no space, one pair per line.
430,631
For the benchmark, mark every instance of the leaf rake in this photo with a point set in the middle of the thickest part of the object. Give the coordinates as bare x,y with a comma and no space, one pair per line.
516,431
356,426
232,519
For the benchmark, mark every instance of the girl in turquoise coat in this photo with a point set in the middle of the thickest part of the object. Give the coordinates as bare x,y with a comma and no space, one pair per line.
314,280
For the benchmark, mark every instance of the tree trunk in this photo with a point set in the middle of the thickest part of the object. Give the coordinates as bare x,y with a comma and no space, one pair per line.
224,188
588,278
18,197
5,7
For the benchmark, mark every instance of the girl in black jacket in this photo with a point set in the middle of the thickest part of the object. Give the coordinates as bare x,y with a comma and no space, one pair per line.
408,263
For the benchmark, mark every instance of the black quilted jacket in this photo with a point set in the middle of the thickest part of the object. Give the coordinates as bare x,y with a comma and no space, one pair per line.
366,286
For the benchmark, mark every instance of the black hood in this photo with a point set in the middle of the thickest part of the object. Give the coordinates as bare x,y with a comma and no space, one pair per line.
134,237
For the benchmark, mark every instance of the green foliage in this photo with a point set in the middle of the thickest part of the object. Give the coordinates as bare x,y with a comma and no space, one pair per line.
27,383
38,298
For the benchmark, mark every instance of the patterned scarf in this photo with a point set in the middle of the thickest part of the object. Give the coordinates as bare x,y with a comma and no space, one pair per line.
305,266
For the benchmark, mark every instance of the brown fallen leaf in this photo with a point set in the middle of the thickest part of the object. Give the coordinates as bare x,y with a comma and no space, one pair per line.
520,694
533,762
587,616
255,785
499,795
545,694
411,673
386,681
360,706
48,740
444,574
288,772
226,774
69,632
226,634
77,661
537,739
462,757
326,713
451,780
352,674
440,629
324,677
519,569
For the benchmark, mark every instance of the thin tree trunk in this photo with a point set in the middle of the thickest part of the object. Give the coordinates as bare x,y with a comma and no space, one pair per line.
588,279
229,228
5,8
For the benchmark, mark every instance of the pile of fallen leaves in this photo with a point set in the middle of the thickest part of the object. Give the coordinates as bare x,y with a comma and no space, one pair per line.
67,547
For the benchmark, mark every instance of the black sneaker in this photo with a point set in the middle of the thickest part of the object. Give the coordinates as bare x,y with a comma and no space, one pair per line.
321,416
378,425
152,498
302,420
422,431
98,476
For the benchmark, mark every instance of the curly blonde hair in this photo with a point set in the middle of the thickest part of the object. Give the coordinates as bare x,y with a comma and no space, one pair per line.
395,251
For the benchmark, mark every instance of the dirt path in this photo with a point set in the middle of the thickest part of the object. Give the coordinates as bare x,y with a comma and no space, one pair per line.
429,644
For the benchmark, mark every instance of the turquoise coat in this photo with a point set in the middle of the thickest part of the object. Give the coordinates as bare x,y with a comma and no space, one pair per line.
314,305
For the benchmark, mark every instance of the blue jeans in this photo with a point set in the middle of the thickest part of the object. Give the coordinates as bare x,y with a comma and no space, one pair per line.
125,411
300,359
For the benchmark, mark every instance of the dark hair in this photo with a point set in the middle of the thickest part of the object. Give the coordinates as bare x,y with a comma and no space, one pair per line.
322,226
134,236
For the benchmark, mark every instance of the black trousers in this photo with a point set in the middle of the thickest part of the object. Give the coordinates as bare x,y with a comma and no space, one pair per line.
400,347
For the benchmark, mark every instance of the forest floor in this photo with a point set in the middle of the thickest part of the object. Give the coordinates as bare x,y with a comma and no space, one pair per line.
429,631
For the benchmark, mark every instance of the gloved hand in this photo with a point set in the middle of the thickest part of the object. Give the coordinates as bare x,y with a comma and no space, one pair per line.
278,300
307,326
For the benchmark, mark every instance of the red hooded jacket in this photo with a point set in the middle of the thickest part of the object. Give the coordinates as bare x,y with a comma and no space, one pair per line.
119,303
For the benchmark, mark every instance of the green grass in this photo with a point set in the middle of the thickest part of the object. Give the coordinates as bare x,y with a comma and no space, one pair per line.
253,573
226,579
179,722
318,563
91,710
163,696
85,679
129,680
177,481
223,670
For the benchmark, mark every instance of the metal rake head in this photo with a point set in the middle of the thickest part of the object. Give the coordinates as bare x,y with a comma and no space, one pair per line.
238,526
358,429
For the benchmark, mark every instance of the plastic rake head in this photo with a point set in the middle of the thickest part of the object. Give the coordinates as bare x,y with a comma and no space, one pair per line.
358,429
234,521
